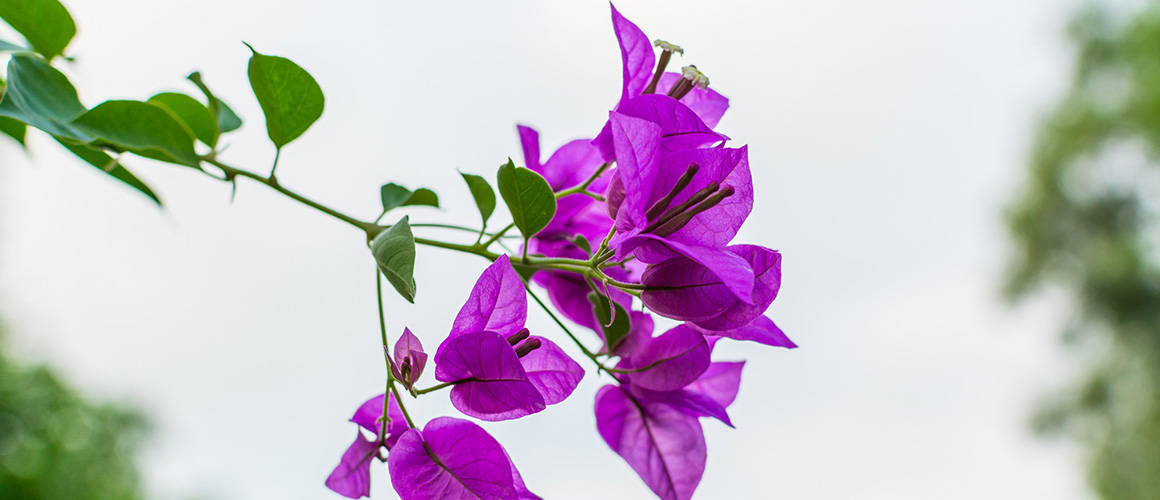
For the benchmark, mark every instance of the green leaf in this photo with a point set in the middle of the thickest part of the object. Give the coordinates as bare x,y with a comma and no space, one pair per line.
289,96
395,196
580,241
615,333
525,272
227,120
13,128
111,166
482,193
41,96
528,196
394,250
192,114
46,24
145,129
10,47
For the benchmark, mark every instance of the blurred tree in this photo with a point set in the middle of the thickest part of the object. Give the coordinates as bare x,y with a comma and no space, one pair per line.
1089,223
56,445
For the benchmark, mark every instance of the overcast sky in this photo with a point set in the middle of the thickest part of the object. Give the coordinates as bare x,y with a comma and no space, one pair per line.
886,136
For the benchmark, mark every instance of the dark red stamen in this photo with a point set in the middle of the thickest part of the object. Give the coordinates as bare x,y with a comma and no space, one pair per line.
696,198
659,207
675,223
527,347
518,336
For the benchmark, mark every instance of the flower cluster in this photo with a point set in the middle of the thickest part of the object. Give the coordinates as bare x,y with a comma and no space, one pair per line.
665,196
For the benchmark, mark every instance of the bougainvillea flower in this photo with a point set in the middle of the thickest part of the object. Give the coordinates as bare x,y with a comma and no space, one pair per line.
685,289
453,459
664,445
708,396
688,203
497,303
491,382
351,478
637,71
409,359
670,361
709,105
691,197
761,330
500,371
680,127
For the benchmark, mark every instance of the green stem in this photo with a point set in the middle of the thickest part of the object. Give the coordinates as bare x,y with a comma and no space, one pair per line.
387,357
498,235
403,408
272,183
582,188
434,388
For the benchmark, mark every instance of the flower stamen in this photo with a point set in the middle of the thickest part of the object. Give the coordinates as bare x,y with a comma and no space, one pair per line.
675,223
527,347
659,207
690,77
667,50
518,337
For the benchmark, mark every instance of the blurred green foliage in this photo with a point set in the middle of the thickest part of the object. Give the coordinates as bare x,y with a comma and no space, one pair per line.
1088,223
55,445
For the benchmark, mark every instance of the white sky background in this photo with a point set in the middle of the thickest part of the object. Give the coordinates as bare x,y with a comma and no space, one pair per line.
885,138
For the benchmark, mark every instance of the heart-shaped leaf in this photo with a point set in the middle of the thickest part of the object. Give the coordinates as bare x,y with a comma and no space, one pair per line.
290,98
143,128
194,115
46,24
483,195
528,196
394,250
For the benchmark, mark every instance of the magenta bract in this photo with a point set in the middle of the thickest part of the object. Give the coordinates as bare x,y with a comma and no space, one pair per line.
453,459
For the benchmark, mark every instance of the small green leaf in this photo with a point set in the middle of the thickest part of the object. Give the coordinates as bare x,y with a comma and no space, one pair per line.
13,128
394,250
145,129
192,114
525,272
528,196
483,195
41,96
109,165
227,120
10,47
615,333
289,96
423,196
46,24
581,242
394,196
